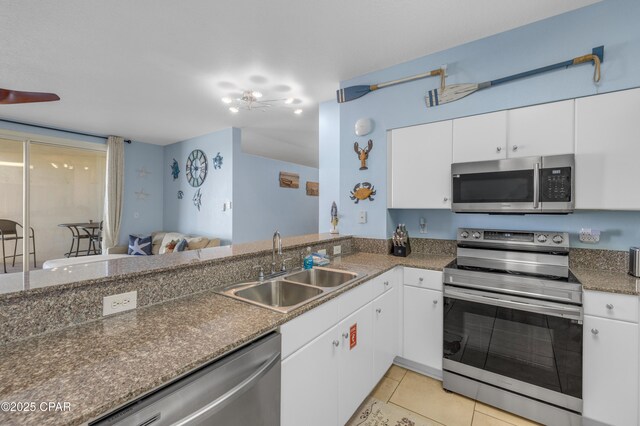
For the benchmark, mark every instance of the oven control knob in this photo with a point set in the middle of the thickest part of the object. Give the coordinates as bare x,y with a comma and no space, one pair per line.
476,235
542,238
464,234
558,239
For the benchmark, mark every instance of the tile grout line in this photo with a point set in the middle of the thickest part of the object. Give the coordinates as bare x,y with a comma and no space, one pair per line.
416,413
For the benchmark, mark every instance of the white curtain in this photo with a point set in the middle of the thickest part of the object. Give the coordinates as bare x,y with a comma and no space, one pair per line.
113,194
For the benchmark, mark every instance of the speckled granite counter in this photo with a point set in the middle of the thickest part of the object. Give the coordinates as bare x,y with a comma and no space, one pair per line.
100,365
608,281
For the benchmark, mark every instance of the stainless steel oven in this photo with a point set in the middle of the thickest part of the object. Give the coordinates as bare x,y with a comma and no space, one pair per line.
516,185
513,325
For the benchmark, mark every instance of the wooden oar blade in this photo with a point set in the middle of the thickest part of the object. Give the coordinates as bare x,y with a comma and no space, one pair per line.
16,97
450,93
350,93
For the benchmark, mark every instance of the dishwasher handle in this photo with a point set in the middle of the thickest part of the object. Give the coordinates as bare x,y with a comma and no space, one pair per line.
234,393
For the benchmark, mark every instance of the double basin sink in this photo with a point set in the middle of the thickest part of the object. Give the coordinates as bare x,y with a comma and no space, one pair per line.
289,292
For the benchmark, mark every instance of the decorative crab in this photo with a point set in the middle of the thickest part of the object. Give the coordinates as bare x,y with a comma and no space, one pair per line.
363,191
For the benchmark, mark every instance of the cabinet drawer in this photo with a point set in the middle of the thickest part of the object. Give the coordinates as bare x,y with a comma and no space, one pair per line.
613,306
301,330
384,282
423,278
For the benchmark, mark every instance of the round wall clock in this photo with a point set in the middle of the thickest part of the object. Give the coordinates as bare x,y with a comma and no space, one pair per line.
196,169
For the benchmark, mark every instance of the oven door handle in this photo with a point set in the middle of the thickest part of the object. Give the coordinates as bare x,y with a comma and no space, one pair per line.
536,185
504,301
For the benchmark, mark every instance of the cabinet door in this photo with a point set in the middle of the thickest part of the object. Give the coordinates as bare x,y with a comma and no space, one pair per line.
610,376
607,151
355,366
538,130
310,382
480,137
385,332
423,326
421,166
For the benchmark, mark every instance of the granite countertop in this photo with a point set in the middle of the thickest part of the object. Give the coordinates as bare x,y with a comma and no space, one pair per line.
100,365
608,281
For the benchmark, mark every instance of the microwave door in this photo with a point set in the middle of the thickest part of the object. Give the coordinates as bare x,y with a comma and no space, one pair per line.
503,186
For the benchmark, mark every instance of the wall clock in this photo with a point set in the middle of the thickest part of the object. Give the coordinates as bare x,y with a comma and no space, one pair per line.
196,169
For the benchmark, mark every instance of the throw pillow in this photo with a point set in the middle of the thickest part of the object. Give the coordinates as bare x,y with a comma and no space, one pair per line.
196,243
168,237
139,246
181,246
171,245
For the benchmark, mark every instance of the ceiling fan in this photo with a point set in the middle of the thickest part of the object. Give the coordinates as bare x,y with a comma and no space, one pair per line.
16,97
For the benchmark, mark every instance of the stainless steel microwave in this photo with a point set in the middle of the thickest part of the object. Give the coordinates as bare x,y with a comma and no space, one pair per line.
515,185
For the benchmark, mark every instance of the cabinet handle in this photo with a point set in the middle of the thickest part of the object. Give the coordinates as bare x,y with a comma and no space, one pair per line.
386,283
609,306
420,279
498,149
435,301
345,335
594,331
515,147
446,199
336,343
379,310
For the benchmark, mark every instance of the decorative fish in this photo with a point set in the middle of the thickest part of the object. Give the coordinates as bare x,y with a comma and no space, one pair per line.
175,169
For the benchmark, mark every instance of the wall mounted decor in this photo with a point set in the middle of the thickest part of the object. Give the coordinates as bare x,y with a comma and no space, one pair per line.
364,126
217,161
454,92
363,153
143,172
363,191
196,169
313,189
334,218
197,199
175,169
289,180
354,92
180,195
141,195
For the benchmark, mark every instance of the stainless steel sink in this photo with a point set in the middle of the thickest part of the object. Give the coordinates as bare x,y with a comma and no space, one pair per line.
279,295
322,277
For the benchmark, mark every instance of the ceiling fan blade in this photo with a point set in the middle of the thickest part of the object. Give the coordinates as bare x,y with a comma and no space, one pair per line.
17,97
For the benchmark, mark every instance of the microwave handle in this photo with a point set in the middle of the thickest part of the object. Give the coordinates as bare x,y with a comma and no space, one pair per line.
536,185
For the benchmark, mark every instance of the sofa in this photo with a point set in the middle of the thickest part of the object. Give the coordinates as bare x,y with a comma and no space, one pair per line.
160,239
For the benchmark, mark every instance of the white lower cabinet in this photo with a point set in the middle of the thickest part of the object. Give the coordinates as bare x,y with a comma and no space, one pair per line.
423,323
610,371
385,331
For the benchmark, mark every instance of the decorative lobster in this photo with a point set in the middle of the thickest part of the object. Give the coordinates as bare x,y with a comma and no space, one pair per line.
363,153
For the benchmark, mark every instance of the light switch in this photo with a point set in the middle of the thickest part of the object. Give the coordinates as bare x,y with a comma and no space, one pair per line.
362,218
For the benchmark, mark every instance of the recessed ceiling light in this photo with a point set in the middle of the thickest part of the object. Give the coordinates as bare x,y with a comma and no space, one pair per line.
288,101
256,94
298,111
234,109
227,100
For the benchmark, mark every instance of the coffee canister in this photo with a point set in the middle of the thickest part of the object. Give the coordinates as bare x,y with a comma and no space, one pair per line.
634,261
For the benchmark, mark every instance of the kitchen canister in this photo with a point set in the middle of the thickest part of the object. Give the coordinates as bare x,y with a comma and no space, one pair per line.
634,261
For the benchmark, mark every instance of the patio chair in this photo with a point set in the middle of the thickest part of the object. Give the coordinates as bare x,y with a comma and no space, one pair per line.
9,232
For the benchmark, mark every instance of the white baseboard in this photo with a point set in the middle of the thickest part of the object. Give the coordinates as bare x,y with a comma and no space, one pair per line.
418,368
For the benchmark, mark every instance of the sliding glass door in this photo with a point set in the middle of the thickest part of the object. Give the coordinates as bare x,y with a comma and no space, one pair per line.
11,204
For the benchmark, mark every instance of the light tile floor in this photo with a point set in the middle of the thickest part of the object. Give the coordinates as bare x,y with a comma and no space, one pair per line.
424,396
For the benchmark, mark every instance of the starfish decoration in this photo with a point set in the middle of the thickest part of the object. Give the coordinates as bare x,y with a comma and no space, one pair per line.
137,247
141,195
197,199
143,172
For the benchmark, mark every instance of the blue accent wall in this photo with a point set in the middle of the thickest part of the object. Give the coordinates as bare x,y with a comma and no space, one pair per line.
329,162
612,23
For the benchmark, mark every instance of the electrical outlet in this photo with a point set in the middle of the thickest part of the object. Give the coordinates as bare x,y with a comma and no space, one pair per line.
362,218
323,252
337,250
119,303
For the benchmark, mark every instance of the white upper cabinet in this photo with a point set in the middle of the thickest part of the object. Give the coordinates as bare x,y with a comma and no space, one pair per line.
607,151
546,129
480,137
420,166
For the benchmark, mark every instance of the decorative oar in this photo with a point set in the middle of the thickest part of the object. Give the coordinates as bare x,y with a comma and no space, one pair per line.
458,91
354,92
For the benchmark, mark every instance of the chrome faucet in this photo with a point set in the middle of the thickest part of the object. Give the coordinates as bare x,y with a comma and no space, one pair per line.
277,242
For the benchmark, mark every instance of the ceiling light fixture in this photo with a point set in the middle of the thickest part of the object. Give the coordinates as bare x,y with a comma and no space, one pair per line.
54,165
251,99
298,111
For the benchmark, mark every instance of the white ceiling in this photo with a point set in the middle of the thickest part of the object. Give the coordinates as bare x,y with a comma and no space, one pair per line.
155,70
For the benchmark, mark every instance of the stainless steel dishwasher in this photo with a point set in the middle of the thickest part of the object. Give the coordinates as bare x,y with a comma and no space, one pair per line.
243,388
